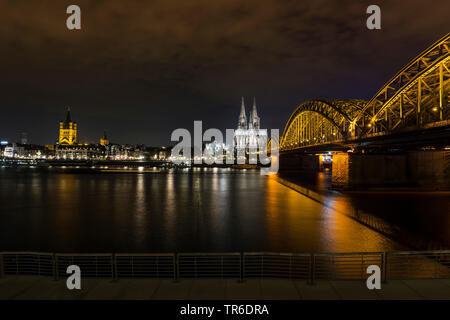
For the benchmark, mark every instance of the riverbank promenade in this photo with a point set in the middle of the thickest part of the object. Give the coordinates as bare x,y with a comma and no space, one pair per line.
46,288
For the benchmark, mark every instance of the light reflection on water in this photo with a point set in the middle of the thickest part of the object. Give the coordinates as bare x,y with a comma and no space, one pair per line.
198,210
306,225
418,220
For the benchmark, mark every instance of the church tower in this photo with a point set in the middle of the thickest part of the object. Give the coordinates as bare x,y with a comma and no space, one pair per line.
68,130
240,135
254,117
104,140
242,124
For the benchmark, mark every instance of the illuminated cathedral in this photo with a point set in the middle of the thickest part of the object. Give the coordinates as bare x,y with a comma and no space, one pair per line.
68,131
249,135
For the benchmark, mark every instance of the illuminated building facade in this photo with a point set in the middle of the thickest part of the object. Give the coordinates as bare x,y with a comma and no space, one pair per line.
81,152
249,135
104,140
68,131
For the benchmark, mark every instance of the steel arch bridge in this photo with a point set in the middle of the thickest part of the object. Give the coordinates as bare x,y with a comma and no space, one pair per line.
417,97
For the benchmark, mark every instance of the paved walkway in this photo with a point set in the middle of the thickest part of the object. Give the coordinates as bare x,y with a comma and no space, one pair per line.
32,287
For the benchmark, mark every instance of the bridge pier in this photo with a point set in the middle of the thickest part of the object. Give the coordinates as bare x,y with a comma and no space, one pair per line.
302,162
414,169
430,169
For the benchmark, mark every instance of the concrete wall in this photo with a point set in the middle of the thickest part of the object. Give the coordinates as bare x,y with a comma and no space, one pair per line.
430,169
299,162
419,169
377,171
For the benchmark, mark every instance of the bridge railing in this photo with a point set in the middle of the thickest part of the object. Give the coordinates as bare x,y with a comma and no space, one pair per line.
248,265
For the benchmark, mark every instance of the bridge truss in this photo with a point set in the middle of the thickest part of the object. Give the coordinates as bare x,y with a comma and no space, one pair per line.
417,97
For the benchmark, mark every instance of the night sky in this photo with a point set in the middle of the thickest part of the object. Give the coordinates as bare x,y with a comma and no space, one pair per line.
140,69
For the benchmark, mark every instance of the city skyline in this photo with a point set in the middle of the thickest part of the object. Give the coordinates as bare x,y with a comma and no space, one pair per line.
68,130
138,72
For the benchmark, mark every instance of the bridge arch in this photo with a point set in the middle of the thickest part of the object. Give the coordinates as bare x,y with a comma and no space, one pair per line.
320,121
416,97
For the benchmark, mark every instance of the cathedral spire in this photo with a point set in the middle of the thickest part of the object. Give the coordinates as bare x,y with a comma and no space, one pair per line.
250,120
242,108
242,124
255,113
254,119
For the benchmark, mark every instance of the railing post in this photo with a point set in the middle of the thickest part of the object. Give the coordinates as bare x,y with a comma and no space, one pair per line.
176,267
114,267
55,267
312,266
363,273
2,272
262,266
221,266
17,263
242,267
39,264
157,266
290,266
195,266
385,267
436,257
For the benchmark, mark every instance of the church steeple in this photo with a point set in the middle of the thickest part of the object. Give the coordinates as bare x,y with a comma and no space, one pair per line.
69,116
242,124
104,140
250,121
254,116
68,130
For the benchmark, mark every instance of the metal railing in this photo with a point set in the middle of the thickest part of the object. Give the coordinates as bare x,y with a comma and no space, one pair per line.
209,265
277,265
301,266
144,266
345,266
26,263
92,265
418,265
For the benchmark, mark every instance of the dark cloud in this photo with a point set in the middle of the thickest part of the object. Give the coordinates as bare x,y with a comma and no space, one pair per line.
139,69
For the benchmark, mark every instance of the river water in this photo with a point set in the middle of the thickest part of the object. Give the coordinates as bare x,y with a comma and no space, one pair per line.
198,210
